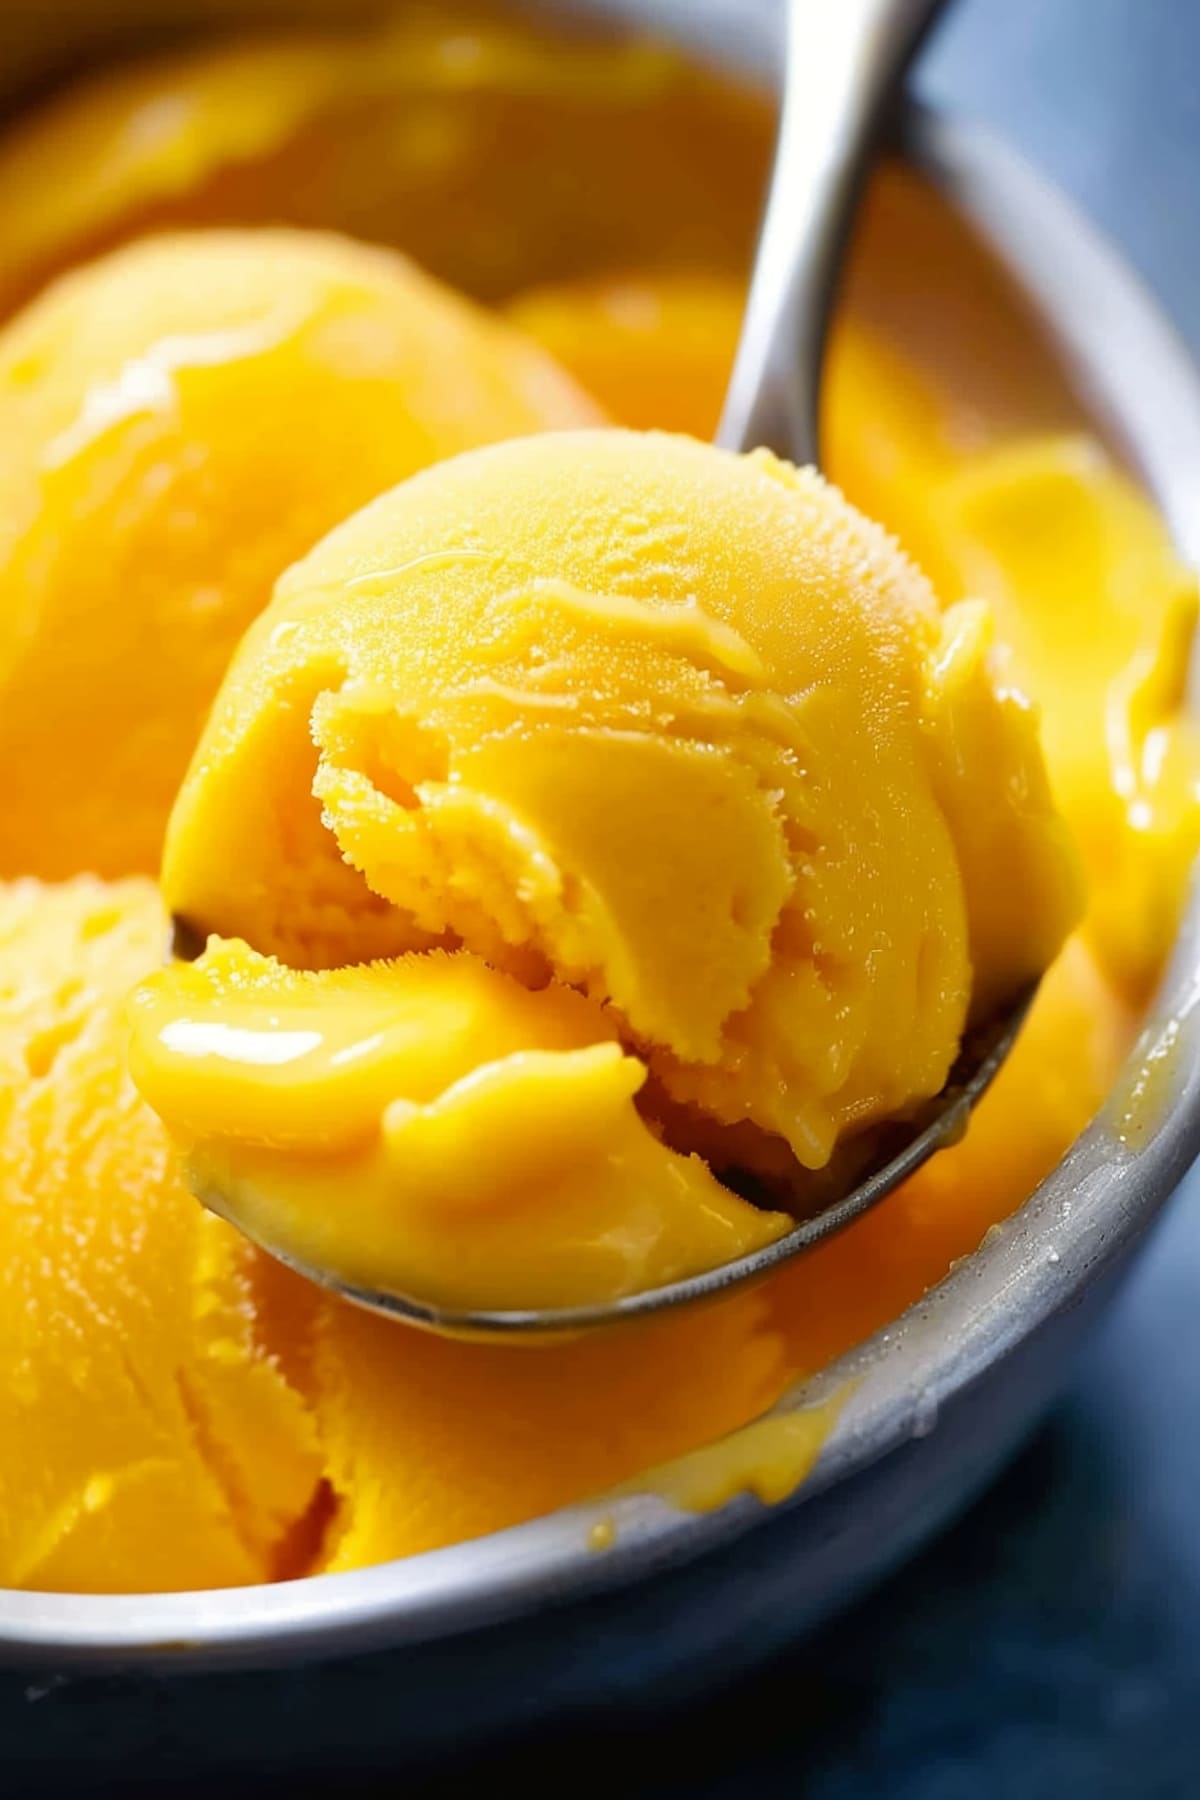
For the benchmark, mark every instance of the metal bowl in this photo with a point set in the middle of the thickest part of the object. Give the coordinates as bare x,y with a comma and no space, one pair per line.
532,1620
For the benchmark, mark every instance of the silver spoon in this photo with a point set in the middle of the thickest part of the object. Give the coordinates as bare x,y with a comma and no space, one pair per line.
843,62
844,58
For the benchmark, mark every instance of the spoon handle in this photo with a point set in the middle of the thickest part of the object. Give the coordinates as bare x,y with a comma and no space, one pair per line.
842,59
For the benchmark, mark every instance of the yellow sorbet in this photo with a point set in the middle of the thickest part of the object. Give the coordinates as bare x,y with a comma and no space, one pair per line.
1101,615
655,350
1061,1067
628,714
428,132
150,1438
423,1443
1096,606
179,1412
430,1127
177,423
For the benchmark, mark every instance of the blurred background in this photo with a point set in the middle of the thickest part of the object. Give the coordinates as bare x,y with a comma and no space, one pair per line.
1049,1645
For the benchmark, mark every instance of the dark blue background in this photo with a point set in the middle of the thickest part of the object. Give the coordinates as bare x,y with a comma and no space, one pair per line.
1049,1645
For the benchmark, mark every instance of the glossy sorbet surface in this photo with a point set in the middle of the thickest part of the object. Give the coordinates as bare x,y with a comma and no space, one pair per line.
190,415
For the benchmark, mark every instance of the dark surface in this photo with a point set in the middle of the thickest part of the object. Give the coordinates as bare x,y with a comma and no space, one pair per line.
1049,1645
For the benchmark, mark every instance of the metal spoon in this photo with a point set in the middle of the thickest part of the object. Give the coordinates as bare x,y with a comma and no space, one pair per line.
844,58
843,62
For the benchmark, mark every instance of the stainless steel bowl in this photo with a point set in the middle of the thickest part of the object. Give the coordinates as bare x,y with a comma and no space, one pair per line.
533,1620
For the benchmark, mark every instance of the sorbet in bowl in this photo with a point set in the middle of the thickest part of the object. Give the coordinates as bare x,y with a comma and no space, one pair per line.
197,398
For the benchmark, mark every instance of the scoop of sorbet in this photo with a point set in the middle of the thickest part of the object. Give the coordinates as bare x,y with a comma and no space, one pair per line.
178,422
672,736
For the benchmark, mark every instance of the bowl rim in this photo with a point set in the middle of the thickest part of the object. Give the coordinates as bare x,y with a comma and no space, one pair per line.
1143,386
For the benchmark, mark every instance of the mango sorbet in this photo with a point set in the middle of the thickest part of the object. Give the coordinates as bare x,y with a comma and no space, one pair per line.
1076,566
174,1408
1088,594
150,1440
420,1442
653,349
429,132
398,803
615,713
177,423
428,1126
